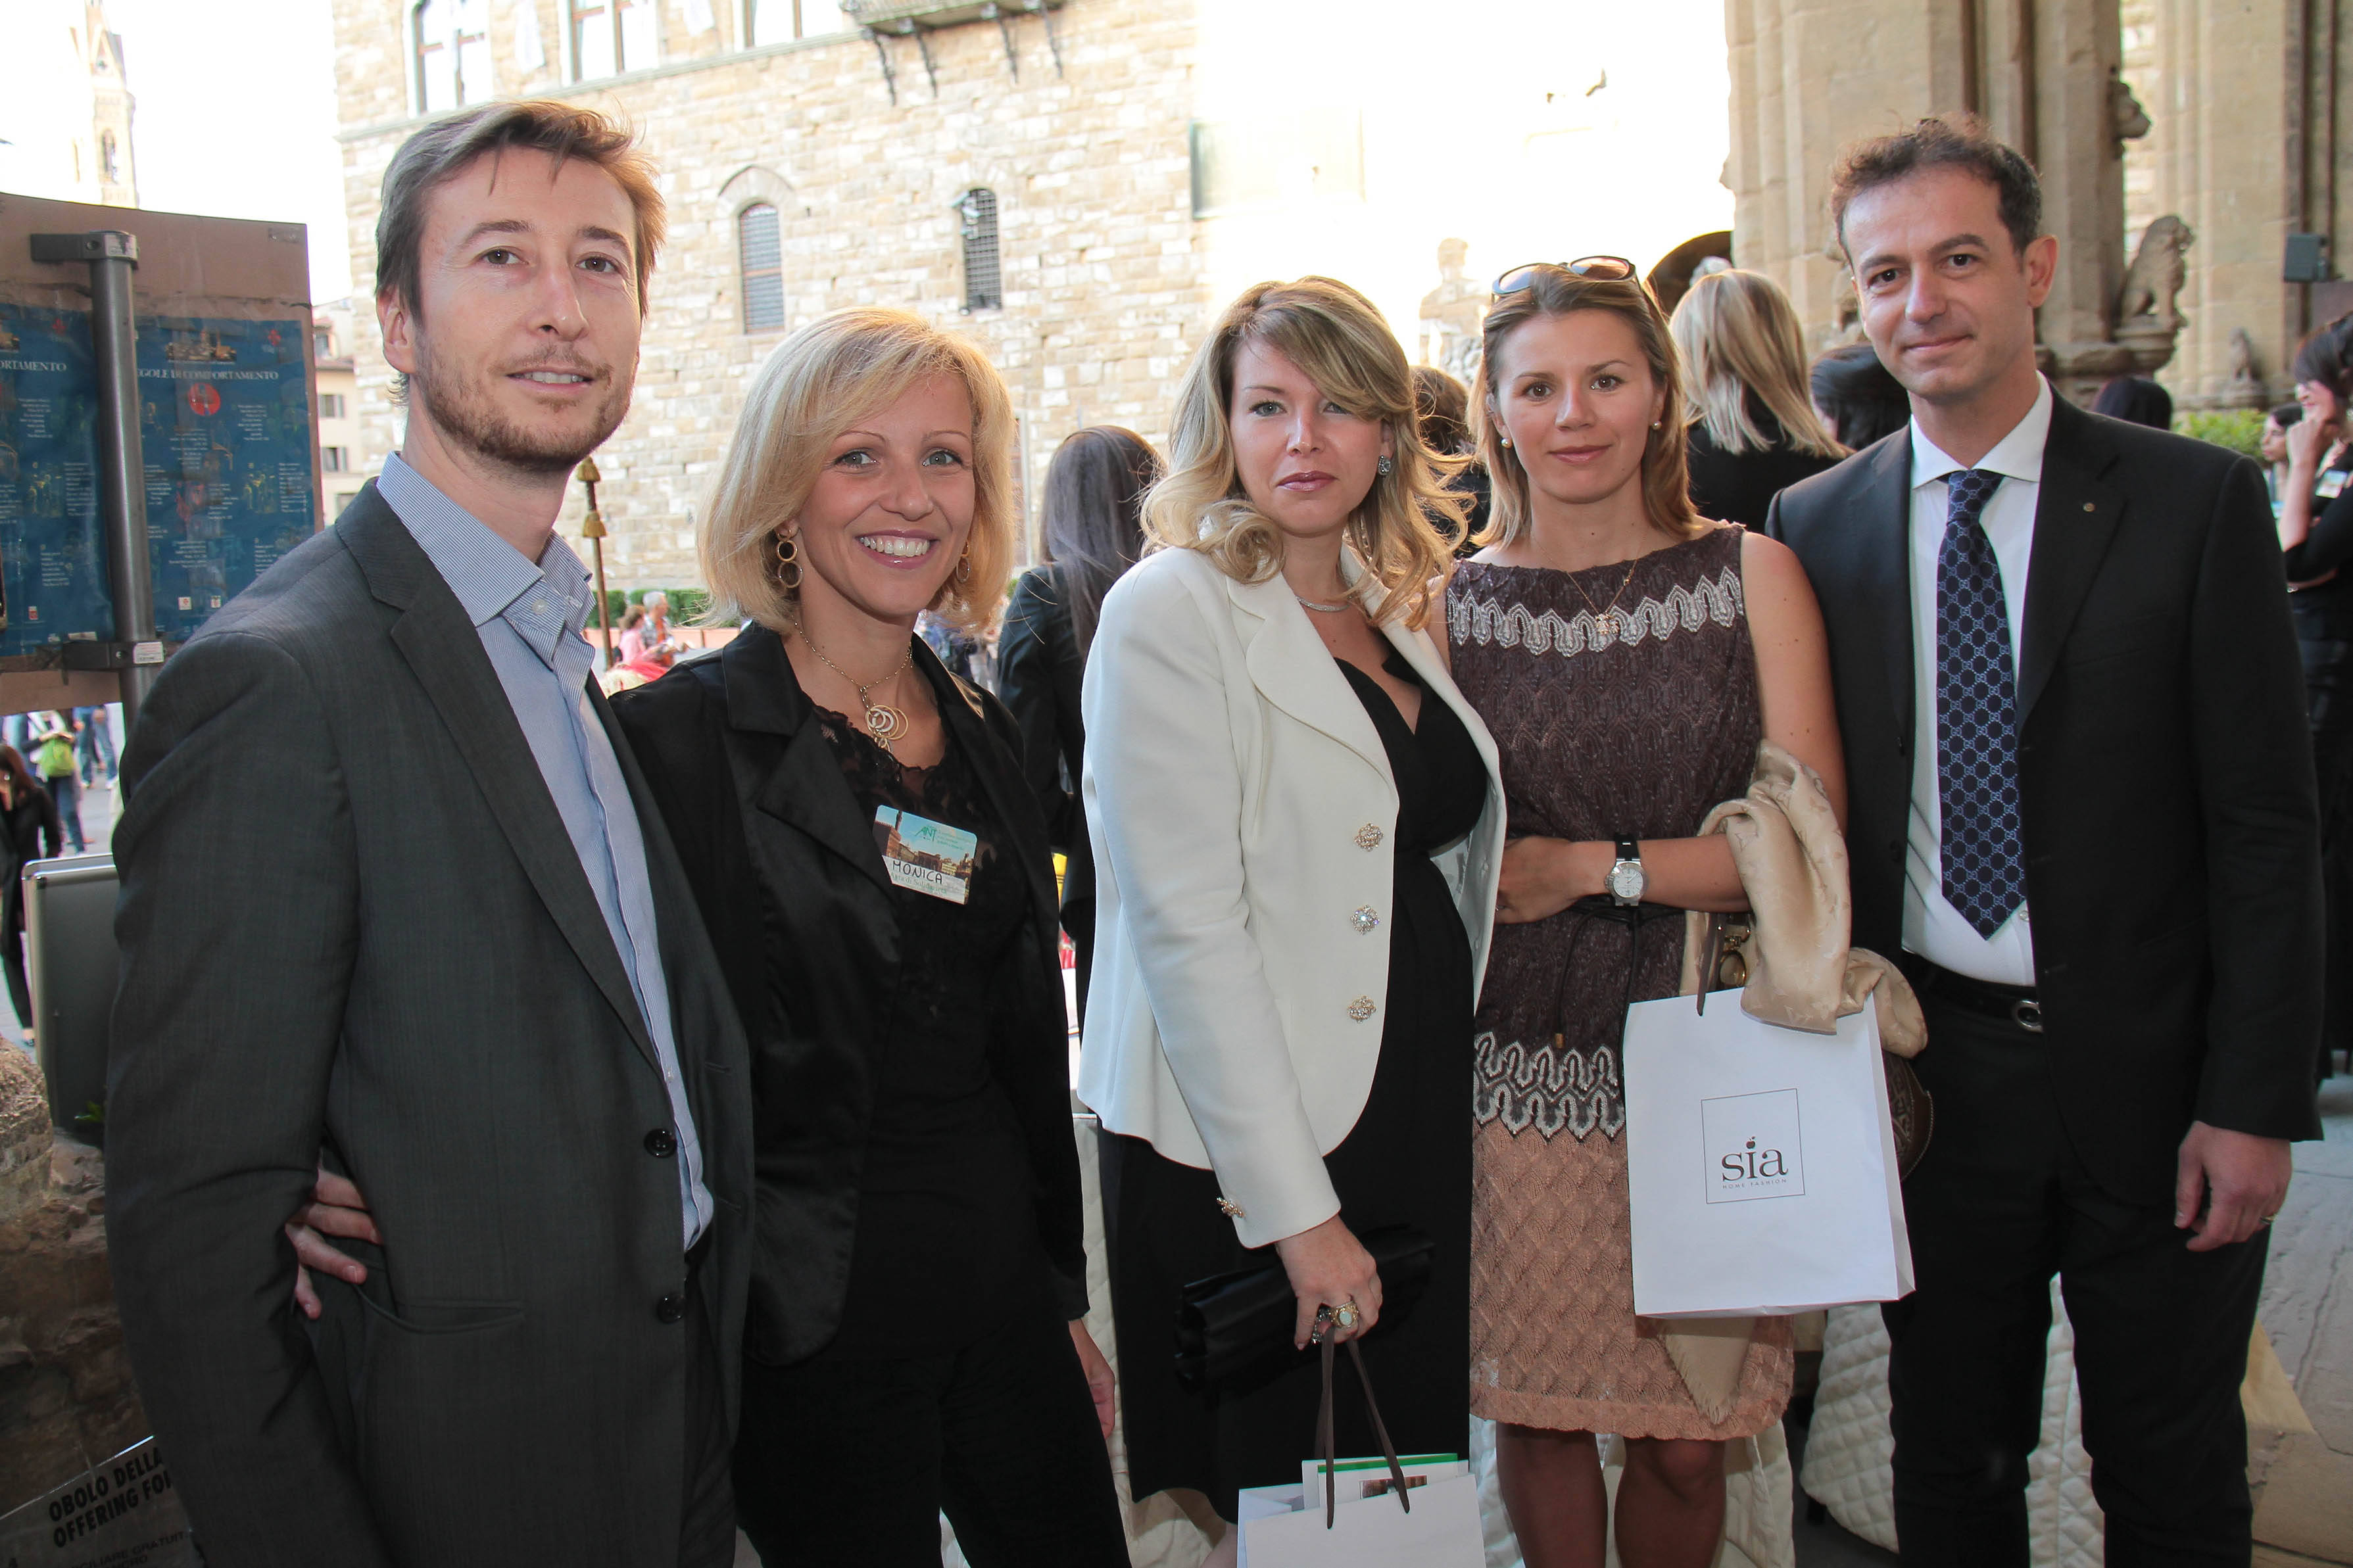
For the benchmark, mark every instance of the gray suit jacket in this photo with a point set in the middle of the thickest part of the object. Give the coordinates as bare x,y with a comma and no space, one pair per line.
351,919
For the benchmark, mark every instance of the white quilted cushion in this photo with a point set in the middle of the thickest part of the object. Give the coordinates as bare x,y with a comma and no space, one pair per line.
1849,1448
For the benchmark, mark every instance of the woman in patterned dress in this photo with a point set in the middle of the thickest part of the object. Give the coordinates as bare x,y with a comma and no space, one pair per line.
1628,654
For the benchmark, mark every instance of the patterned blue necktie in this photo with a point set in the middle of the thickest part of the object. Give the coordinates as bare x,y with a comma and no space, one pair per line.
1976,716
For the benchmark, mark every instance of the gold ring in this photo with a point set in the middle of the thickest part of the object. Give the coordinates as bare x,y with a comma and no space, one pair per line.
1344,1314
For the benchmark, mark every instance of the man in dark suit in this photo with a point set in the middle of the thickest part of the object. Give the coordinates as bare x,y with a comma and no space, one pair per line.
2082,808
395,902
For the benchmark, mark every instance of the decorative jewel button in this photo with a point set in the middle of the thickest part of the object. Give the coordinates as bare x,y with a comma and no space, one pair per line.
1366,921
1231,1210
1370,838
1361,1008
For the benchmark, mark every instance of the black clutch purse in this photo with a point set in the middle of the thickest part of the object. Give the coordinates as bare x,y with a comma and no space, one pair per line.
1231,1324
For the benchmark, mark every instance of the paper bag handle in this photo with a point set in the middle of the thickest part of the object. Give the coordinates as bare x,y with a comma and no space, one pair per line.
1324,1444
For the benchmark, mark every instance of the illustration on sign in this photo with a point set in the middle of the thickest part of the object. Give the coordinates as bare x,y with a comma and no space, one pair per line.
224,427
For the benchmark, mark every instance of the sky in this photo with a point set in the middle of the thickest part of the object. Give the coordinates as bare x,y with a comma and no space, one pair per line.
232,121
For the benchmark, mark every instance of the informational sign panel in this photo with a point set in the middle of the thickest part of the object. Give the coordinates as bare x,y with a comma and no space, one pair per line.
120,1514
225,425
226,418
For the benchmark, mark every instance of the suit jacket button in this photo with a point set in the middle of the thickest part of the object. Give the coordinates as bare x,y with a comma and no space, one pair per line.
1895,849
671,1308
661,1144
1361,1008
1369,837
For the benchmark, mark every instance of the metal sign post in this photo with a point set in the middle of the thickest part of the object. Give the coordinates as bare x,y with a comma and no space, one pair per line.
592,529
136,652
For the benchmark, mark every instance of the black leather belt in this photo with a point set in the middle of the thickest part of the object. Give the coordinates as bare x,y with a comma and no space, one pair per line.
2012,1005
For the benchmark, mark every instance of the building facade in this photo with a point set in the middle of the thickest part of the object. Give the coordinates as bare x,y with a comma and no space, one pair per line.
1077,184
66,120
2182,143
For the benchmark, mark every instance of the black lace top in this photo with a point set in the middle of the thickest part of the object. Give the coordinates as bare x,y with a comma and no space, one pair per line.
947,1233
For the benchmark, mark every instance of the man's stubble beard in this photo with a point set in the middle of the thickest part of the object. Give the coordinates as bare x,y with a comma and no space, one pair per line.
449,401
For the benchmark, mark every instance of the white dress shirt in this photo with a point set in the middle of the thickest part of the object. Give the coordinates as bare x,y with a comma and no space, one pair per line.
1933,928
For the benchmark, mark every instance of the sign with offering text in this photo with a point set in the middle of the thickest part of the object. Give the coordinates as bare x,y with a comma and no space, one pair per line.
119,1514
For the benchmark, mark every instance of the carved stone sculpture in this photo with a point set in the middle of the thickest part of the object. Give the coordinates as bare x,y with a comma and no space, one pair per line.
2128,120
1452,314
2148,314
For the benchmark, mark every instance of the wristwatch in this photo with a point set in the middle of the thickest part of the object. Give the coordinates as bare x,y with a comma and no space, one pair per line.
1626,878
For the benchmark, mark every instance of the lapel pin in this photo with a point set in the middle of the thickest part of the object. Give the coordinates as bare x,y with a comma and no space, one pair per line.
2087,506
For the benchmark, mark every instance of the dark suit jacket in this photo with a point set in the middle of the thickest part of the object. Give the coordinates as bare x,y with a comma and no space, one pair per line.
784,865
1039,672
2172,837
352,918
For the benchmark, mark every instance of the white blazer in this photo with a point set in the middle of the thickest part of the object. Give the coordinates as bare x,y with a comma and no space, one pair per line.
1240,805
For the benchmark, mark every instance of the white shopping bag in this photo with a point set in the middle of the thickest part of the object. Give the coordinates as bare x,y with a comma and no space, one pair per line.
1761,1163
1283,1527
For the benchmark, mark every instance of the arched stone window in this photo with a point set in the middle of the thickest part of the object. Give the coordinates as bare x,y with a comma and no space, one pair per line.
983,275
760,248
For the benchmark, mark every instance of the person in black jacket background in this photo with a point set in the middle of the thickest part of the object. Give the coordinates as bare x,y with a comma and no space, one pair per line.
1856,398
1094,499
855,826
1754,432
30,817
2316,530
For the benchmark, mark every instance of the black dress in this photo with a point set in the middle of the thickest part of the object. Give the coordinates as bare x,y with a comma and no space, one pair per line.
1406,1162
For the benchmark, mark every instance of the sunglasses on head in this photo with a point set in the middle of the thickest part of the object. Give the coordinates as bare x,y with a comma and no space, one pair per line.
1593,269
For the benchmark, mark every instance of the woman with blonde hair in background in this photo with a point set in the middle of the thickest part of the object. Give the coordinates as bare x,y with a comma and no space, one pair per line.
1296,823
875,877
1629,655
1754,431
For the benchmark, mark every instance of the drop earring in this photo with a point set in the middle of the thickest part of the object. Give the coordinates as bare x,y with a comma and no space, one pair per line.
788,563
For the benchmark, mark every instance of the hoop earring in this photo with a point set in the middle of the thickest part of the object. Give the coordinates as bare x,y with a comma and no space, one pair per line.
788,563
1383,468
961,578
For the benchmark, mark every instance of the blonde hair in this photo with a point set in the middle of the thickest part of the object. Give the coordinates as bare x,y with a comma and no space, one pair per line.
1666,469
1406,530
821,381
1739,339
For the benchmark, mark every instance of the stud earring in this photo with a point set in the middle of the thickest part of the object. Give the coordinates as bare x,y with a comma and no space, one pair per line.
1384,467
1657,424
788,563
1507,443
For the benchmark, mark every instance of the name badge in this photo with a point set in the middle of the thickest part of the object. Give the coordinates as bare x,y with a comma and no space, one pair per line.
926,856
2332,485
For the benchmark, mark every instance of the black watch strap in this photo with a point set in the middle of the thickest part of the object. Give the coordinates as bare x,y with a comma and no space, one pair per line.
1629,850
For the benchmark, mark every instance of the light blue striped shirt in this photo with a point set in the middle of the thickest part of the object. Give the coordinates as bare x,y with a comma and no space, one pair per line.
531,619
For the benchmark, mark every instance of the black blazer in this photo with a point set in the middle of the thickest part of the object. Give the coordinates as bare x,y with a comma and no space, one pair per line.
770,832
2172,839
1739,486
1039,672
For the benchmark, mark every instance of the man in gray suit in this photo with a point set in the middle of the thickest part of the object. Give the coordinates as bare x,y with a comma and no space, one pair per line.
395,903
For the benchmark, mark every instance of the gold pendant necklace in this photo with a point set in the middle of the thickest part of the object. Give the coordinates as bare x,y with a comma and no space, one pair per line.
883,722
1610,620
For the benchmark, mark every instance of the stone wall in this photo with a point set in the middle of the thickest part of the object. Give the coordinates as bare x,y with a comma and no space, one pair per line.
1103,296
66,1400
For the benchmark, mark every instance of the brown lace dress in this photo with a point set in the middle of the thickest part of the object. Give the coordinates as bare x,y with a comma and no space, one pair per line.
1637,734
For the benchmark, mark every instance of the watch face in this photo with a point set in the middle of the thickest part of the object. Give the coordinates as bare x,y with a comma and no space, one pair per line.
1626,879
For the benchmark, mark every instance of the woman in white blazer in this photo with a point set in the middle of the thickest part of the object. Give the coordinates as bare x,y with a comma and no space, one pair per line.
1297,827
